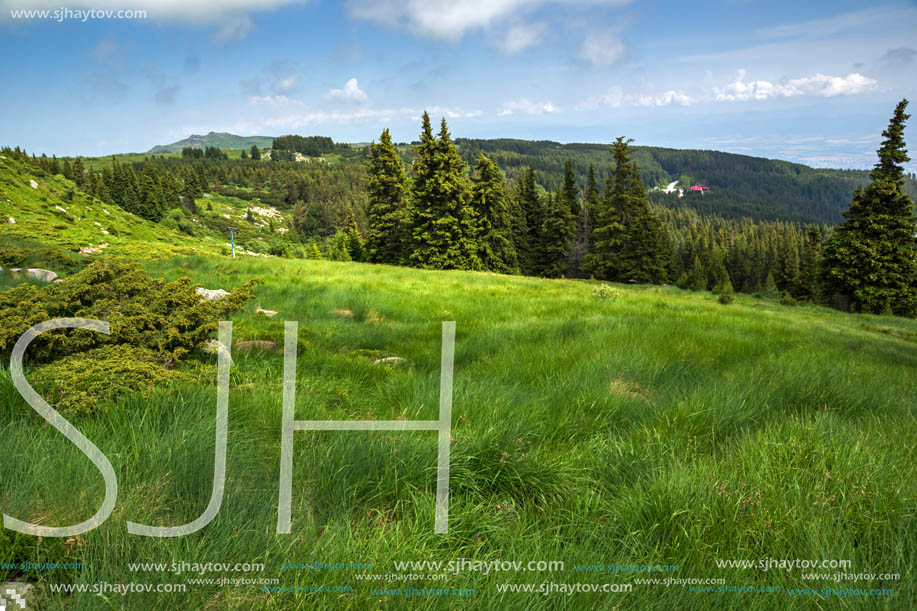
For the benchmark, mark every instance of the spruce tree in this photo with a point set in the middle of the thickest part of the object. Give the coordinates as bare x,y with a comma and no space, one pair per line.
354,240
444,221
571,195
788,265
530,222
255,153
387,186
870,263
557,235
628,240
492,204
808,266
697,279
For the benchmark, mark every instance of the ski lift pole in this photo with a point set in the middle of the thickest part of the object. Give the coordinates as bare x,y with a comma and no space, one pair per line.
232,241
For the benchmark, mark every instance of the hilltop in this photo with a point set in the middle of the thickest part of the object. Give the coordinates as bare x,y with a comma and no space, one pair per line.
740,185
220,140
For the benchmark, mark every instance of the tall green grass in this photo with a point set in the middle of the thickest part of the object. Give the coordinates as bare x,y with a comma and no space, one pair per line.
659,427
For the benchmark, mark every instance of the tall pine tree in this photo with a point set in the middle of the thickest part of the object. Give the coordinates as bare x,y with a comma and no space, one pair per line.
870,263
531,213
492,204
386,238
558,230
444,221
628,243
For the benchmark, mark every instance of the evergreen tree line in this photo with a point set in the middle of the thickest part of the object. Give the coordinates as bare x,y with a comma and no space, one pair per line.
440,214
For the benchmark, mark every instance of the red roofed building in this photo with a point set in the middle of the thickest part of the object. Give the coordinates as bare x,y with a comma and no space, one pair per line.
700,188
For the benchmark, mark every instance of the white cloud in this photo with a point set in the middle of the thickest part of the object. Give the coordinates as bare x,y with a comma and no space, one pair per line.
527,106
666,98
521,37
451,19
282,112
603,49
234,29
273,100
286,83
449,113
615,98
818,85
350,93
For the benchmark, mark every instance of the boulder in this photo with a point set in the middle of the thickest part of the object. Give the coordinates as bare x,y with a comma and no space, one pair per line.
268,313
391,360
211,294
33,184
11,220
42,275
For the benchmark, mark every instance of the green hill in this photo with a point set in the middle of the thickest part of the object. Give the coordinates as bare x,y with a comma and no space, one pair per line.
591,426
52,222
741,185
220,140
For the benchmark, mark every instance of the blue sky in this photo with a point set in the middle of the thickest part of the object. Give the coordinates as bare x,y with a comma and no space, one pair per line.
808,81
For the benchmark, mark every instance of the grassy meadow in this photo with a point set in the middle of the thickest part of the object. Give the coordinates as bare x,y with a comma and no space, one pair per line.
639,425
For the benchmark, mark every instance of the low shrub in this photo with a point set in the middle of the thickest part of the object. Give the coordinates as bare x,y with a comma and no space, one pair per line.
81,382
153,324
607,292
169,318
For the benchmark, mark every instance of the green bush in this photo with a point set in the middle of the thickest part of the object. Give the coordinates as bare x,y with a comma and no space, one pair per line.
168,318
10,256
82,382
606,292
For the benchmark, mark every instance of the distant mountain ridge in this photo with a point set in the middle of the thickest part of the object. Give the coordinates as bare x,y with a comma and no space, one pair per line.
220,140
739,185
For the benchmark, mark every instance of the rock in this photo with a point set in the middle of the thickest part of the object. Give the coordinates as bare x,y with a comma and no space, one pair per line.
211,294
391,360
59,209
97,223
42,275
268,313
33,184
104,232
86,251
16,595
260,344
11,220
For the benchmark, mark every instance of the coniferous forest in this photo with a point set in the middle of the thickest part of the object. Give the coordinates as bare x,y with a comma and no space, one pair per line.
442,203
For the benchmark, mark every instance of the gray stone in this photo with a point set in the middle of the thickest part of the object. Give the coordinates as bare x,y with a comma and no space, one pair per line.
211,294
42,275
391,360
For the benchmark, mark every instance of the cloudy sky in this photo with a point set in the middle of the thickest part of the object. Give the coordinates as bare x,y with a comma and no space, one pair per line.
808,81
